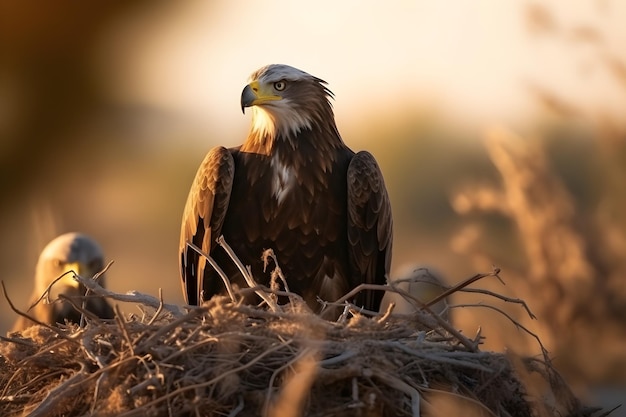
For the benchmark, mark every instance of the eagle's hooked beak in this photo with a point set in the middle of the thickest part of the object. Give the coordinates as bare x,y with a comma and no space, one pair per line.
79,269
247,98
255,94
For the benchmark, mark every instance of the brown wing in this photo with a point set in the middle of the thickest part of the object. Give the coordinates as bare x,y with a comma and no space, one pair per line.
370,227
203,217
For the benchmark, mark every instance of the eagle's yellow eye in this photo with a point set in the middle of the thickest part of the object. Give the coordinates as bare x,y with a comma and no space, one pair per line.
280,85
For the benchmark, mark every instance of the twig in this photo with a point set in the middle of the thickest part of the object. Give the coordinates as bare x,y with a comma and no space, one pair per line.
80,308
387,313
189,348
393,287
444,324
158,311
216,267
354,292
439,358
96,277
291,295
46,292
503,298
511,319
246,274
198,311
121,323
96,393
348,354
238,408
402,386
462,285
269,253
146,383
18,341
56,395
26,316
130,297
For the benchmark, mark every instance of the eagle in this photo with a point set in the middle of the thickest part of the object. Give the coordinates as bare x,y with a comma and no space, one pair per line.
293,186
68,252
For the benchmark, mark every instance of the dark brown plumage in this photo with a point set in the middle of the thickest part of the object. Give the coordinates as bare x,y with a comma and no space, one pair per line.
295,187
68,252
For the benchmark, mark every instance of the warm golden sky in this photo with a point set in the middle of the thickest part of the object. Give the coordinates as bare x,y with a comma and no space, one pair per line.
474,59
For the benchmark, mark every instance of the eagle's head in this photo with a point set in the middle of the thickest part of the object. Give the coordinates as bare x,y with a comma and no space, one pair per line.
69,252
286,101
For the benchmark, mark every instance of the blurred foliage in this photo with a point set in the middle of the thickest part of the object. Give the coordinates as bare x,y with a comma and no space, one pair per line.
561,187
568,253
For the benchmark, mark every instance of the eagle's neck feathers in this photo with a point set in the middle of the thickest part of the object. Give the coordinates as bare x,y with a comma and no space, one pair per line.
281,127
278,121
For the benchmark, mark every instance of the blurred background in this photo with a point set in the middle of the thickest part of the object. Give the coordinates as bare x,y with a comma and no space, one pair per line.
499,127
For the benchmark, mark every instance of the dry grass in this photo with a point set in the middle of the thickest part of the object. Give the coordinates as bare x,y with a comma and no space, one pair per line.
572,240
573,274
231,359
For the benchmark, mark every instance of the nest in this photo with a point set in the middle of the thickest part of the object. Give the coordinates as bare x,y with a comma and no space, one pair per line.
226,358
